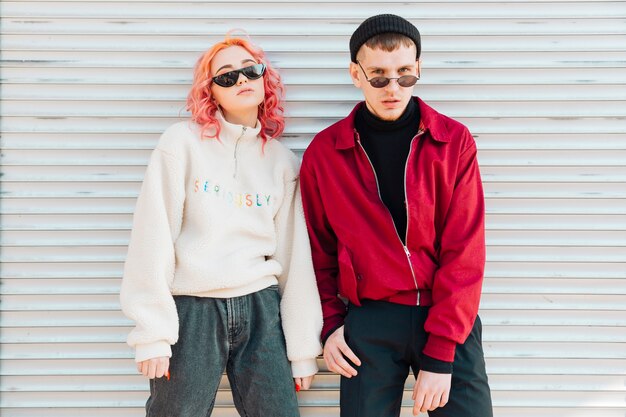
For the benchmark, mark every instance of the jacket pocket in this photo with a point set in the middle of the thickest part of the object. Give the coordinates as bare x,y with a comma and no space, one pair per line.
347,281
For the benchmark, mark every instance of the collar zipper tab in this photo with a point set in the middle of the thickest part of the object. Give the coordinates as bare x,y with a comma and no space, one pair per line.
243,131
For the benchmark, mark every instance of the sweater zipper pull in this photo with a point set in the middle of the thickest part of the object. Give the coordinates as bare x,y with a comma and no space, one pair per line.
243,131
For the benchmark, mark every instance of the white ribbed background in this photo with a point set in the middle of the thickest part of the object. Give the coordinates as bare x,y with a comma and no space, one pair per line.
87,87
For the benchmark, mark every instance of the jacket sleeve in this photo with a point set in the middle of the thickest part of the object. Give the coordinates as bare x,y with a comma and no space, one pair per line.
458,281
301,313
149,269
324,252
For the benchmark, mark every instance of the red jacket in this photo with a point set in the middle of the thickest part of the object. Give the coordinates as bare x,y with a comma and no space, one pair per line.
357,252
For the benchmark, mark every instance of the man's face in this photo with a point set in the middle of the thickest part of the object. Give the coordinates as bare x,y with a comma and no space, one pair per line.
389,102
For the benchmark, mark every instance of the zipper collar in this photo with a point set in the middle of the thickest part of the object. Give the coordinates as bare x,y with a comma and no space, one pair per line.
232,134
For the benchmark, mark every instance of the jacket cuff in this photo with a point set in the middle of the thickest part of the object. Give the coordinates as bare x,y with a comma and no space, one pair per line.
330,331
303,368
436,366
438,347
152,350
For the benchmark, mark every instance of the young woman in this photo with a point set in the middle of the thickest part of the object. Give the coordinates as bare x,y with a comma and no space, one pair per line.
219,274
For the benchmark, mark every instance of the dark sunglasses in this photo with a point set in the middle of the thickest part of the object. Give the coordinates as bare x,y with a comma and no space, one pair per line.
228,79
380,82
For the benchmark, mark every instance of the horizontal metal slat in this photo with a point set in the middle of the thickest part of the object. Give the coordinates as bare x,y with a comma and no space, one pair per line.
520,254
95,205
593,399
326,2
103,383
491,334
306,109
10,319
338,10
524,159
596,286
427,89
558,367
304,26
330,60
312,126
563,285
539,253
552,302
560,239
147,141
316,76
492,190
51,286
319,44
543,270
490,317
494,269
308,412
102,302
494,222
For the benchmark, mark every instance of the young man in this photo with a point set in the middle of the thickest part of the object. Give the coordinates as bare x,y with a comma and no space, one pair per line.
395,211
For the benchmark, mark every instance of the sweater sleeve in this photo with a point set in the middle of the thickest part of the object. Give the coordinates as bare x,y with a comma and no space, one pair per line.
323,251
300,308
149,269
458,281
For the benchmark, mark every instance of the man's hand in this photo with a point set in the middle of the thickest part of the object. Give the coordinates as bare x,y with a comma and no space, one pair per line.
334,349
155,367
431,391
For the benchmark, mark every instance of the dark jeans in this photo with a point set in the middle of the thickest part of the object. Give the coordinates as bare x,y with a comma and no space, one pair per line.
388,339
242,335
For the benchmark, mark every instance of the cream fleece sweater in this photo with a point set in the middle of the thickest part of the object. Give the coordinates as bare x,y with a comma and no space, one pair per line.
220,219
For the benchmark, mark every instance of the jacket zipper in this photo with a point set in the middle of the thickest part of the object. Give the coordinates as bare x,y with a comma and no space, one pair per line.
243,131
408,216
406,249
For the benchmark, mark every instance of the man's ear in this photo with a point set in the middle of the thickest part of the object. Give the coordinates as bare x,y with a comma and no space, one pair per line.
355,74
418,65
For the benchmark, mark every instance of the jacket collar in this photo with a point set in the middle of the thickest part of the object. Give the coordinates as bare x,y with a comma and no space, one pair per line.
230,132
431,121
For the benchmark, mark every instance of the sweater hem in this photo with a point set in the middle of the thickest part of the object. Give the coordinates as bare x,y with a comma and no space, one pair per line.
254,286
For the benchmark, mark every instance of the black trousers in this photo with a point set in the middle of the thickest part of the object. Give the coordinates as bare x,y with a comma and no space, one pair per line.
388,339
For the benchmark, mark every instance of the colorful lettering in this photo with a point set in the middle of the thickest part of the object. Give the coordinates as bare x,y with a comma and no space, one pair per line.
216,191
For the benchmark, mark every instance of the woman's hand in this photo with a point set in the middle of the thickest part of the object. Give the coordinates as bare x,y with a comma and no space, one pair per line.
155,367
304,382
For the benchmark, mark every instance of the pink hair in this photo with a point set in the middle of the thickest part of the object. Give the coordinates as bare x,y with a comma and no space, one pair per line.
202,106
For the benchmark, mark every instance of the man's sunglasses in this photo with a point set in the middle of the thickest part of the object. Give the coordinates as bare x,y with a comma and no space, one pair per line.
228,79
380,82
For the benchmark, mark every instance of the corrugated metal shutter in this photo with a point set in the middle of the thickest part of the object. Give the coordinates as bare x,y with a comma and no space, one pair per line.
87,87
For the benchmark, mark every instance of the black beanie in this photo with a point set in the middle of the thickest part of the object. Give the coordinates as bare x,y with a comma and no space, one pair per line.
383,23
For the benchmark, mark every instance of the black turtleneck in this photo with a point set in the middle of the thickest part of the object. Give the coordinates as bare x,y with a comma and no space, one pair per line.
387,144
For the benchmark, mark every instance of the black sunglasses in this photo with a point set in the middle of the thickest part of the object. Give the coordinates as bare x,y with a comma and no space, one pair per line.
380,82
228,79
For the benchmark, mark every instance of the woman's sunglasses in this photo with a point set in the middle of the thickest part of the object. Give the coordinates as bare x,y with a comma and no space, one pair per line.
380,82
228,79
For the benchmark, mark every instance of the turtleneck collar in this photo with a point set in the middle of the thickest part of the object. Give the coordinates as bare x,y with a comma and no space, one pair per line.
375,123
231,132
